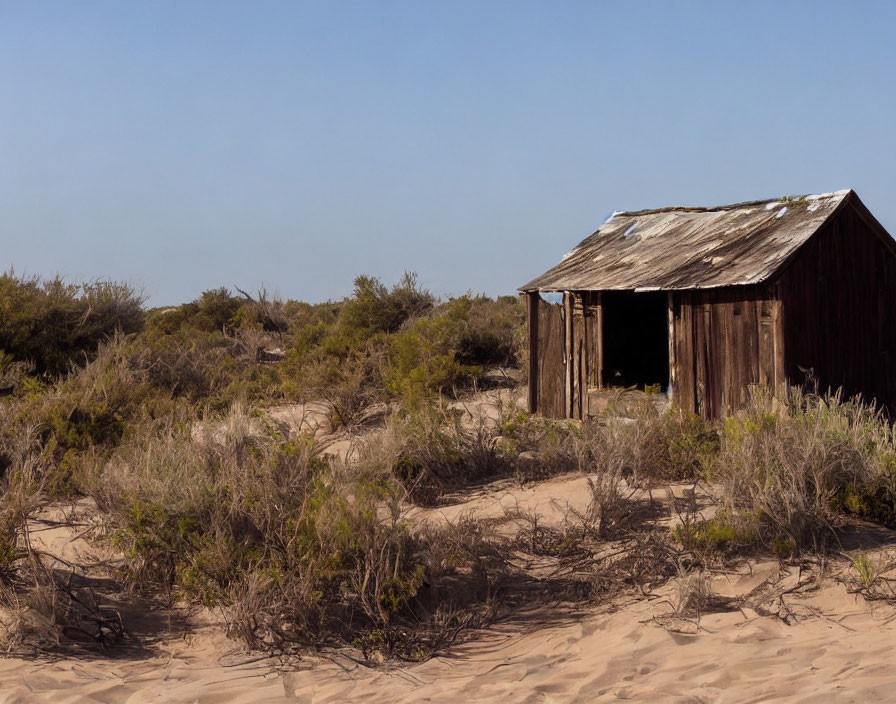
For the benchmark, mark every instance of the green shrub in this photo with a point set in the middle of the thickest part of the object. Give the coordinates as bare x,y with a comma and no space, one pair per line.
690,446
373,308
53,325
420,363
872,500
493,331
716,535
400,343
448,348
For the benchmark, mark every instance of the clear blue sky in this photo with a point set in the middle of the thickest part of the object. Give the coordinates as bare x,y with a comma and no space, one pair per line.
187,145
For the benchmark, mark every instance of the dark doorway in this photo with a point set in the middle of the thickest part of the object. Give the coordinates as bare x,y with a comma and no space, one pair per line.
635,339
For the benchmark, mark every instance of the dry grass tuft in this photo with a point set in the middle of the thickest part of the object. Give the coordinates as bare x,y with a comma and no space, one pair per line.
789,467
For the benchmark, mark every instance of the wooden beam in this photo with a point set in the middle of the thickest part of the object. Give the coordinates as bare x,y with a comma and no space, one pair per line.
778,322
580,382
599,332
532,300
671,302
568,359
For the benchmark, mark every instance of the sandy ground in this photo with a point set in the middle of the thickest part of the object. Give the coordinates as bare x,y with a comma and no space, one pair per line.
836,648
771,633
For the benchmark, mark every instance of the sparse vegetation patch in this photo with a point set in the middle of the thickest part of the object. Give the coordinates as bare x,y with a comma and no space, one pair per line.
206,499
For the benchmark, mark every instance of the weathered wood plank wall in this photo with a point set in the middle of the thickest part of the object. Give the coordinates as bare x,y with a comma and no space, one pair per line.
839,298
551,370
725,340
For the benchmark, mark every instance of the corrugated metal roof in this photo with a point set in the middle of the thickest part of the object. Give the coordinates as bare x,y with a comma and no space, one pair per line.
685,248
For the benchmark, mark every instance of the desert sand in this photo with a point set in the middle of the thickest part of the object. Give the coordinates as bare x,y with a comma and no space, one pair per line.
804,638
839,650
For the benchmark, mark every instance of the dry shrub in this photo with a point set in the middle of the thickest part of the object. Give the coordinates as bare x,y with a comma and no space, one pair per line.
31,617
462,568
610,505
656,445
623,455
874,579
262,312
80,418
573,538
786,463
612,457
692,594
604,548
40,607
296,548
539,447
42,611
350,386
194,364
636,561
195,508
435,451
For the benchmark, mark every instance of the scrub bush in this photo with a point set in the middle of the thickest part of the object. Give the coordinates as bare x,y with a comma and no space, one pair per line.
295,547
791,466
53,325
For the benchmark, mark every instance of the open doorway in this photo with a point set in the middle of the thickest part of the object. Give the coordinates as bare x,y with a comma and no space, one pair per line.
635,339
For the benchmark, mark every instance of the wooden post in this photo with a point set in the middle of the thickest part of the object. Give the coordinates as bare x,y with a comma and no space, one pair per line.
568,358
671,392
778,320
599,332
532,299
579,381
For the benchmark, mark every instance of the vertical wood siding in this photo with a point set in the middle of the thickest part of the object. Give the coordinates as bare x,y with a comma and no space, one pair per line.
839,297
725,341
551,366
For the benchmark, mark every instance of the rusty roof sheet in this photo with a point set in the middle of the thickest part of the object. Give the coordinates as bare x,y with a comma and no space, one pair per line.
686,248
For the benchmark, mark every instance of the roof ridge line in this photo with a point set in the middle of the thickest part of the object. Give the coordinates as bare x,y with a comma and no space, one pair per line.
732,206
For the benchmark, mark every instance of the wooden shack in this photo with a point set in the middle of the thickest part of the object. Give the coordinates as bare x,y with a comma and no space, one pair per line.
700,303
